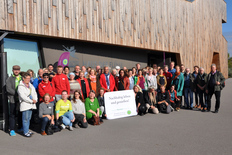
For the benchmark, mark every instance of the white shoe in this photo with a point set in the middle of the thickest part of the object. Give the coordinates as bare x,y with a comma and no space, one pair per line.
63,126
70,128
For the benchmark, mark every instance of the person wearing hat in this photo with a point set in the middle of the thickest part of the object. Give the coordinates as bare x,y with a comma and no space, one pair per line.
11,87
74,84
92,109
46,87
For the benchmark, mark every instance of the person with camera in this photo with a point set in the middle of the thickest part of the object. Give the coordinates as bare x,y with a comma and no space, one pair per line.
46,113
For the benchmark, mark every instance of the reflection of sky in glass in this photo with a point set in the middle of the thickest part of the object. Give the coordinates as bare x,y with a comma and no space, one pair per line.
190,0
22,53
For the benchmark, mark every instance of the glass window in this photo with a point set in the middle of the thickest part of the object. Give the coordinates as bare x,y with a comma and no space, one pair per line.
22,53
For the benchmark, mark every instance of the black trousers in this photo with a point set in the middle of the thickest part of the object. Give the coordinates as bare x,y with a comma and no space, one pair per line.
217,96
142,109
196,96
14,111
79,121
202,95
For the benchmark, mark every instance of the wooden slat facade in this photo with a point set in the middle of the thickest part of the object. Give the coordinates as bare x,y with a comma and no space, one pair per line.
194,30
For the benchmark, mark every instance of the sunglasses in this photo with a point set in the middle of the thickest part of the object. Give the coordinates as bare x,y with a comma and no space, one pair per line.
45,77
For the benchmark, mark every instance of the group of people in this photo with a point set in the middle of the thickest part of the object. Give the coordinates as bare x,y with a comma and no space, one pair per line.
76,98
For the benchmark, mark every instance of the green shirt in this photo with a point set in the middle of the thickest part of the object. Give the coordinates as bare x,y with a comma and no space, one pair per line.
17,80
91,105
63,107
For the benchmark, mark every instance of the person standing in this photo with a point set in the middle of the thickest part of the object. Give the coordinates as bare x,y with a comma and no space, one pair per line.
122,82
168,76
92,79
66,71
178,81
137,68
215,83
201,82
46,87
28,99
172,69
189,86
11,88
84,85
50,69
131,79
77,71
196,90
37,80
101,102
151,80
107,81
161,79
74,84
83,69
141,80
60,82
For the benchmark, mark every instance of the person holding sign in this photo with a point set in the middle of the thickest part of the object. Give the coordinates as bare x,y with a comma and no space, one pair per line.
122,82
163,100
107,80
92,109
141,107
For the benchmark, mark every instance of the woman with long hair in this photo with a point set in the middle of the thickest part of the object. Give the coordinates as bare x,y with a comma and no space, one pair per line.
78,107
122,82
84,85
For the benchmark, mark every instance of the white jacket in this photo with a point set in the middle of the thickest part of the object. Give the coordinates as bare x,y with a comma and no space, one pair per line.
25,102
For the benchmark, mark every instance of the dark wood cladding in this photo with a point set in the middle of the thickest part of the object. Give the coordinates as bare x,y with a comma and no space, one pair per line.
192,29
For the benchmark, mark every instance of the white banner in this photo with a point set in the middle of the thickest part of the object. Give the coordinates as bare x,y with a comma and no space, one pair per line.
120,104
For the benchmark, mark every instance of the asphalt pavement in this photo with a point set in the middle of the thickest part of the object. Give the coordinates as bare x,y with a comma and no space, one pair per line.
187,132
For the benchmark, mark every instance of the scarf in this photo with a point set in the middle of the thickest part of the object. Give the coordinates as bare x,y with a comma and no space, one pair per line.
176,75
107,80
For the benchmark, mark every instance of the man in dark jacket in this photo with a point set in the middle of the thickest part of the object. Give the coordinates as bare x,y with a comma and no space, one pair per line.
215,82
163,100
11,87
189,87
201,81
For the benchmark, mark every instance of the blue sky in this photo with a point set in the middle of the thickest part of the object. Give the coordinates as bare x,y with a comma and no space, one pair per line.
227,27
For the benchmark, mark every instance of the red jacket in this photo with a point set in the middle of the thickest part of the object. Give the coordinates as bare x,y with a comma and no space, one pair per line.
103,82
87,87
168,76
126,83
60,82
44,88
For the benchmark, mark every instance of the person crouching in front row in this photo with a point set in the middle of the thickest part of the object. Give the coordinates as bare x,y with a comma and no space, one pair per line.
102,103
150,99
64,109
174,100
92,109
163,100
46,113
79,110
141,107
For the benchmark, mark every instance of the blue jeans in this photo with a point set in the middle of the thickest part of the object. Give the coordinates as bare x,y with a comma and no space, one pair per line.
67,117
26,117
44,122
187,92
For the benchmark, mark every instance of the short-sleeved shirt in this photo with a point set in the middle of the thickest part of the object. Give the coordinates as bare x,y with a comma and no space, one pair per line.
63,107
91,105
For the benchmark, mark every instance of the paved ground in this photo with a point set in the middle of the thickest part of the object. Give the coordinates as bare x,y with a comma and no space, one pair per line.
184,132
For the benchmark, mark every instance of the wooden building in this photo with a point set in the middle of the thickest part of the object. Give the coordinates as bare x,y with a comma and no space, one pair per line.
115,32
